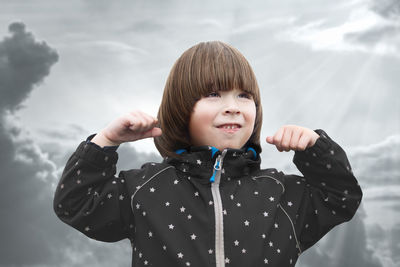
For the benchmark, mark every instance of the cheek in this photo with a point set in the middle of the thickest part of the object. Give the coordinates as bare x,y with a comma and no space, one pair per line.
251,112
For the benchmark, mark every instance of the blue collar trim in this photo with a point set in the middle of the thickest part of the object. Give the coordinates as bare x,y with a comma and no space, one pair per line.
254,152
180,151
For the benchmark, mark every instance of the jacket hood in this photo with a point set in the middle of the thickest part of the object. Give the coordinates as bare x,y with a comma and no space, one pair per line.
200,161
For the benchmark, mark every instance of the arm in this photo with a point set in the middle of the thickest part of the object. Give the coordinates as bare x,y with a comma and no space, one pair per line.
326,196
331,194
90,198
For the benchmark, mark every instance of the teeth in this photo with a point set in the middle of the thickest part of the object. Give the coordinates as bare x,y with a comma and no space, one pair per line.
230,126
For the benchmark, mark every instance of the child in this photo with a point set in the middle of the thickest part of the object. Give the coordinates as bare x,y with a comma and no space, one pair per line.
208,203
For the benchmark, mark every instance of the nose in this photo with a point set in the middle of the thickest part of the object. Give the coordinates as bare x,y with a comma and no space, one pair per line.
231,107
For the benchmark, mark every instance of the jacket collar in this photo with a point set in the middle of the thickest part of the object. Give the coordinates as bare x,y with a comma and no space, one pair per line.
198,162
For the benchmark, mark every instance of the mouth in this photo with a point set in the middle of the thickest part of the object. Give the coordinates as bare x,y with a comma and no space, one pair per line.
229,126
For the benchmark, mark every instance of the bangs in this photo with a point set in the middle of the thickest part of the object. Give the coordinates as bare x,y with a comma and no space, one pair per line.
220,68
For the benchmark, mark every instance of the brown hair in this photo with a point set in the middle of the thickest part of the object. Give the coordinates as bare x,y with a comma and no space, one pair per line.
204,68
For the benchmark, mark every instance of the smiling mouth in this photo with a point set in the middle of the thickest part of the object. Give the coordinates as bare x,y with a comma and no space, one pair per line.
229,126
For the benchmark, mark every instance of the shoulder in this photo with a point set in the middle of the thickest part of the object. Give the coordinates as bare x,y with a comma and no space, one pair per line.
146,170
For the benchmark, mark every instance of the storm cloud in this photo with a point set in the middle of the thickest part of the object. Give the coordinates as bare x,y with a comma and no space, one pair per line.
24,62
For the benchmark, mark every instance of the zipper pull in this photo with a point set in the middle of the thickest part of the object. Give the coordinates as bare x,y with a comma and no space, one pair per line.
217,167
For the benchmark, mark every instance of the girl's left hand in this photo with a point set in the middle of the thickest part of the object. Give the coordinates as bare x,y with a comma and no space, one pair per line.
292,137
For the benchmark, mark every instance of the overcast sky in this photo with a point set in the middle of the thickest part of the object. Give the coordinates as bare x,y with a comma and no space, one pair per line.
67,68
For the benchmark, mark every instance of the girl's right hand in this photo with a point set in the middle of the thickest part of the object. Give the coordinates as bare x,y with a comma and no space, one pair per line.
130,127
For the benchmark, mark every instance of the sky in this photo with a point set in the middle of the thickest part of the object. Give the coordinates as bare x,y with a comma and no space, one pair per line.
68,68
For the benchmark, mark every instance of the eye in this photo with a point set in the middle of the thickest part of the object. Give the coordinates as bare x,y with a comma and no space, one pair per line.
213,94
245,95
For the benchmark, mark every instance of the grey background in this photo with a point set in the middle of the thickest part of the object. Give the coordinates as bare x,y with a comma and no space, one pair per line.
67,68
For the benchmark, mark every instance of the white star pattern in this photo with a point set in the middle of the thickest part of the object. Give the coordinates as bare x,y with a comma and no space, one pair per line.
263,236
328,166
156,191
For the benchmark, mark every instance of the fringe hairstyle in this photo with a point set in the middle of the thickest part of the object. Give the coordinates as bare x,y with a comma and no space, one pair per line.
204,68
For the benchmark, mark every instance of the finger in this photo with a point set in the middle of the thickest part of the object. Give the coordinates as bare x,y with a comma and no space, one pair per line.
277,138
285,143
303,142
294,141
151,121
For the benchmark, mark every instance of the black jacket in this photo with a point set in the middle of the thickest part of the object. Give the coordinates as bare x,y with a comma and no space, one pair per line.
175,216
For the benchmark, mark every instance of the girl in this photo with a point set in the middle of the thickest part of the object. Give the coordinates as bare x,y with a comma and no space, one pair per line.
208,203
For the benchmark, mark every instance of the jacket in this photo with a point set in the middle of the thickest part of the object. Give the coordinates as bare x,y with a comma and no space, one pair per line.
209,207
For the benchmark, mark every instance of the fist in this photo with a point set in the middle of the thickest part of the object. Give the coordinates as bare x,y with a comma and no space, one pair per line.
130,127
292,137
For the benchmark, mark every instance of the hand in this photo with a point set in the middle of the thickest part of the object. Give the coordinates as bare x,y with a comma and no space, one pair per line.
292,137
132,126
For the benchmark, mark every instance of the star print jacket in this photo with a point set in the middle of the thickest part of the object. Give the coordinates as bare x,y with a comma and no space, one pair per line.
209,207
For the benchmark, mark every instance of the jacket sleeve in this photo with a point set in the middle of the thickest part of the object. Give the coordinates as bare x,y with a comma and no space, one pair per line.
91,199
326,196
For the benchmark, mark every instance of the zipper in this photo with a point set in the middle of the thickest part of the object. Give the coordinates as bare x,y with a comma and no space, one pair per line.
219,220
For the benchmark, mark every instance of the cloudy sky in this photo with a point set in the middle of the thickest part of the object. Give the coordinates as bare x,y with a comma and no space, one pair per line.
67,68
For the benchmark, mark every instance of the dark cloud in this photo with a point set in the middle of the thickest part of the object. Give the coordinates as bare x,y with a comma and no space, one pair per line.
387,8
31,234
378,164
24,62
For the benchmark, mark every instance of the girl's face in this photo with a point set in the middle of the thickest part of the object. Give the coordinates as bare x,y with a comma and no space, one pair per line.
223,119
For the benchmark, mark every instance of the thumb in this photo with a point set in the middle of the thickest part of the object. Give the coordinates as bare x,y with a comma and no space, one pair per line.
270,139
152,133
